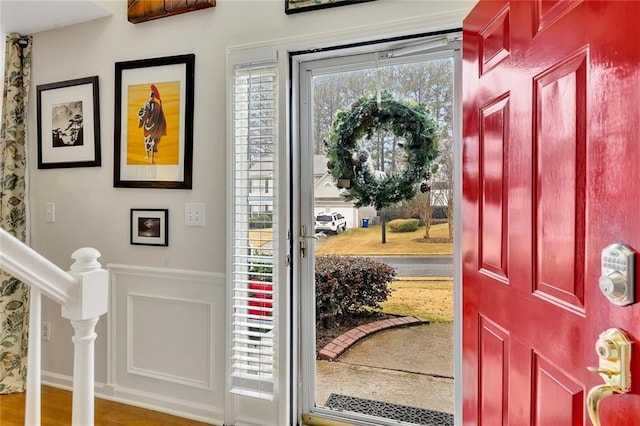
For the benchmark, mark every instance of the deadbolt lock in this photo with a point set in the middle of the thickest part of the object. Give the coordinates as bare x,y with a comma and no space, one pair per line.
617,278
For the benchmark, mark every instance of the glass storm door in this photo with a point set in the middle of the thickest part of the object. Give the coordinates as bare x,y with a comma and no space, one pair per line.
424,74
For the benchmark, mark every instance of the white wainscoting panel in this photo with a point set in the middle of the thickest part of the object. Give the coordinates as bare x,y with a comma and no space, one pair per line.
167,339
184,324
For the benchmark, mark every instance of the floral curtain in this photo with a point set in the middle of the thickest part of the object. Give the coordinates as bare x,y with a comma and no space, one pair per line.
14,295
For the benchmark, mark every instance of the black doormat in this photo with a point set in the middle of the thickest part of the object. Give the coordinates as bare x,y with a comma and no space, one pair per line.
403,413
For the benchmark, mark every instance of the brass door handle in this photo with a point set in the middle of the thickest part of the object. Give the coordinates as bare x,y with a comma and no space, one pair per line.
614,353
605,371
594,397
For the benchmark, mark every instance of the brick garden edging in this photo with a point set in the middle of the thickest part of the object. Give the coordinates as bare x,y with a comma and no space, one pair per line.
340,344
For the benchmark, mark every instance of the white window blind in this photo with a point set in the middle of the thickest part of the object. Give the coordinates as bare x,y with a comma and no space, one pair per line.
254,224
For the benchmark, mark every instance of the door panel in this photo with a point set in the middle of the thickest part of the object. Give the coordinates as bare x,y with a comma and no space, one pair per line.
494,360
558,397
493,244
559,108
550,92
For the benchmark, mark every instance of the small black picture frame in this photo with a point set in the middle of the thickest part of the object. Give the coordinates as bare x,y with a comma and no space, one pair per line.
68,124
149,227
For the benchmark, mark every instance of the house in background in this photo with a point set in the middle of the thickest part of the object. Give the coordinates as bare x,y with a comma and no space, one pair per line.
260,196
328,198
327,195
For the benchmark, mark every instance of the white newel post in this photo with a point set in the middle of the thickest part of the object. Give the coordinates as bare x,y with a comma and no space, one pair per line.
32,415
90,301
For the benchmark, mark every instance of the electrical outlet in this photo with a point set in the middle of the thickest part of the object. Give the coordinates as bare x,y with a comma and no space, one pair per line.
45,330
194,214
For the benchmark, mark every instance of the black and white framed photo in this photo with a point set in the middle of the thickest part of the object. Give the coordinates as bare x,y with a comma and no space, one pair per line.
68,124
150,227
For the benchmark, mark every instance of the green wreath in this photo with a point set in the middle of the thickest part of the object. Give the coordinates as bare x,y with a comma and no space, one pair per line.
366,117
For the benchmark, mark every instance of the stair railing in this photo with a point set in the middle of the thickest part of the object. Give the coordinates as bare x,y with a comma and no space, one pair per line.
83,295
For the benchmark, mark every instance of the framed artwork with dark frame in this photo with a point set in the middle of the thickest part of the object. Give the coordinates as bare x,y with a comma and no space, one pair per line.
295,6
68,124
153,134
150,227
146,10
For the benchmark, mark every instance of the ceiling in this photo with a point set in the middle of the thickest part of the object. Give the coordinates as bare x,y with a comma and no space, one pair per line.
33,16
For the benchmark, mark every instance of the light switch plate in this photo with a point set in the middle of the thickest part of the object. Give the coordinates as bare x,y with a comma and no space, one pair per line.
194,214
49,212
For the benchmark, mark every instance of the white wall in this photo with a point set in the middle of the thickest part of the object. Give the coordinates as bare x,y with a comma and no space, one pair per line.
91,212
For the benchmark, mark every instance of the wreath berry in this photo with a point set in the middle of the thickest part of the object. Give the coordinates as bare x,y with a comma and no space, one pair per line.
366,117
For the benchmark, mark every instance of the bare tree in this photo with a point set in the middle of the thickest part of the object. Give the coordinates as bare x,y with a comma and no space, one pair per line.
333,92
427,82
445,177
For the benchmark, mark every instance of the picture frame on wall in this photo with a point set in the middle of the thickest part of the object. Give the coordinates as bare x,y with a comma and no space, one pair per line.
68,124
147,10
296,6
153,133
149,227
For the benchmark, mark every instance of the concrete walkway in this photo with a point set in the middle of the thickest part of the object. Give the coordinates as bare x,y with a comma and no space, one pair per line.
410,365
340,344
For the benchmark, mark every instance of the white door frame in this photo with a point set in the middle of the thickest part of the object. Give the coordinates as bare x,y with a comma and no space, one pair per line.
303,314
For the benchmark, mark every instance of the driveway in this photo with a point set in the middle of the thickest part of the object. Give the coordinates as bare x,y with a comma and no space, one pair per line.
419,266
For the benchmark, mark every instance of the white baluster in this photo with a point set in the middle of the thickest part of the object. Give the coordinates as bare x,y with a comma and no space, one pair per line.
83,369
34,365
90,301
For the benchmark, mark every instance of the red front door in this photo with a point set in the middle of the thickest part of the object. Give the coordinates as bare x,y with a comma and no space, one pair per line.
551,176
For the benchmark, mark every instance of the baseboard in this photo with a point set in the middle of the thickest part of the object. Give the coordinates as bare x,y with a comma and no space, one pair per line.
172,406
59,381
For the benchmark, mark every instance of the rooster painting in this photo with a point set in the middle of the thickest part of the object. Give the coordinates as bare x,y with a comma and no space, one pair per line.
153,122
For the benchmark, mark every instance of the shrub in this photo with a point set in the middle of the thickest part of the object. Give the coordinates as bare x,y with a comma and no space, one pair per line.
397,211
349,285
403,225
261,221
259,270
413,209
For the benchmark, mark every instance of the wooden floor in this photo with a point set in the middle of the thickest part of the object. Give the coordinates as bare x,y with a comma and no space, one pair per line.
56,411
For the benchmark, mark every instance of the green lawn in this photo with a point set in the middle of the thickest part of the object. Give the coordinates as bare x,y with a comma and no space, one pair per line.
429,300
368,242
